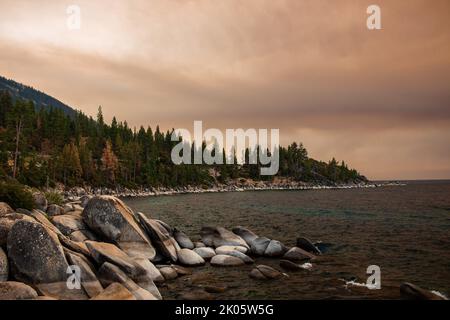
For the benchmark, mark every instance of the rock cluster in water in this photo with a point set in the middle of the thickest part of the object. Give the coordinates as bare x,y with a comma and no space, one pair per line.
98,248
118,254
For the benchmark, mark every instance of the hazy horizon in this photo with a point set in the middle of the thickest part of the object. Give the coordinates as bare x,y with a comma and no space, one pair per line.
379,100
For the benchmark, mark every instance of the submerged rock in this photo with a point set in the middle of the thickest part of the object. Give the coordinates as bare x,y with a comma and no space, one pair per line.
222,260
4,268
11,290
290,266
265,272
182,239
256,274
181,271
307,245
160,237
115,291
297,254
190,258
196,294
205,252
113,220
413,292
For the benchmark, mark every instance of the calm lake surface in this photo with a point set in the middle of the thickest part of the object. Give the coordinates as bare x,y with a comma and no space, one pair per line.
405,230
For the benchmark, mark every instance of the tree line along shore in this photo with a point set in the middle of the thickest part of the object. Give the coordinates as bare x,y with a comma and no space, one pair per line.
43,146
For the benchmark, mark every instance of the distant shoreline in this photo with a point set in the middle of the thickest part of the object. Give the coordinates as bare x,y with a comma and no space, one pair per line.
155,192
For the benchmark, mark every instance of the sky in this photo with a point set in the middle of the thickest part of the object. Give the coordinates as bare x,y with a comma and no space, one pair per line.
378,99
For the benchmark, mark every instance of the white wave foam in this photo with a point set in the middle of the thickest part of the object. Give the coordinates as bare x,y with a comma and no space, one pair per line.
439,294
306,266
358,284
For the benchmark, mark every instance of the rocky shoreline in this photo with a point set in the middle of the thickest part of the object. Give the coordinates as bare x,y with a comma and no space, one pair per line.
247,185
98,248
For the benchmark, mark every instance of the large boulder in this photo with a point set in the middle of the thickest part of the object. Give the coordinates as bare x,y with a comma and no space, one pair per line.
109,273
275,249
54,210
216,237
115,291
61,291
40,201
112,219
12,290
68,207
199,244
259,245
307,245
160,237
297,254
245,234
168,272
188,257
84,200
73,227
6,223
165,226
4,269
103,252
89,280
225,249
5,209
222,260
205,253
240,255
182,239
35,253
151,271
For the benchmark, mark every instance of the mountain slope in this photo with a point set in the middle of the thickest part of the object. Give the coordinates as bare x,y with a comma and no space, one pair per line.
40,99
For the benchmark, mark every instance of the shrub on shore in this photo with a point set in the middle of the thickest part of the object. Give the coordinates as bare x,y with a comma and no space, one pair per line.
16,195
54,198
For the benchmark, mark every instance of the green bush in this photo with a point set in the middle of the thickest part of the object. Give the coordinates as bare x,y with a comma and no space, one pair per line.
54,198
16,195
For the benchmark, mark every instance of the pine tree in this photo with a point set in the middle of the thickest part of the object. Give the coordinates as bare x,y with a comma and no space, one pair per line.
110,162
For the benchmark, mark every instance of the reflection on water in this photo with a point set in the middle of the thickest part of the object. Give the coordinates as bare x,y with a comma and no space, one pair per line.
404,230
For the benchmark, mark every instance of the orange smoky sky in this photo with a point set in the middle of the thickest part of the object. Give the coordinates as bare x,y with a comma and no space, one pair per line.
379,100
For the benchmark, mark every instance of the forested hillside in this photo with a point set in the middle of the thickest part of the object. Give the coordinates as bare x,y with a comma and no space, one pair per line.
40,99
42,146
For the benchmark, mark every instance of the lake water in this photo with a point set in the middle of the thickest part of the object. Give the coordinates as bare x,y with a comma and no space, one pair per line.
405,230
